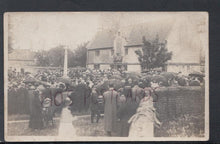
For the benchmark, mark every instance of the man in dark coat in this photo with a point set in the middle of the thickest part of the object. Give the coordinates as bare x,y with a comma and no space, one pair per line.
21,99
125,111
94,105
80,96
36,120
87,96
110,109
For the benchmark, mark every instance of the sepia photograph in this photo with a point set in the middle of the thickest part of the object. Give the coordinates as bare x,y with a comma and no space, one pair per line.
106,76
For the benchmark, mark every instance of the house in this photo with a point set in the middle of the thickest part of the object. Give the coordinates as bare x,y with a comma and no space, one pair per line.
21,58
116,48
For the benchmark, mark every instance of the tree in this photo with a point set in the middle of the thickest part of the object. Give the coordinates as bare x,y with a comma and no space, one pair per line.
80,55
153,54
42,58
55,57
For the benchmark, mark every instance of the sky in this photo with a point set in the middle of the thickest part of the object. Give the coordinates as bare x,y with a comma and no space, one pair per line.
45,30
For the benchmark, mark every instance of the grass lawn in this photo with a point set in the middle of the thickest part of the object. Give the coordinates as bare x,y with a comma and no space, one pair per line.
183,126
84,127
22,129
15,117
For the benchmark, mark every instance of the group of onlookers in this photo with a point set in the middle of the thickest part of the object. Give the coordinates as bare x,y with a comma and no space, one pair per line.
117,94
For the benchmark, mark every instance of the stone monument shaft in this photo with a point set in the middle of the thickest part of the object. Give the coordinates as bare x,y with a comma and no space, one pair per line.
65,63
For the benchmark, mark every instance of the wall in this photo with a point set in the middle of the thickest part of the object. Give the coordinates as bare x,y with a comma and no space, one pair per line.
185,69
175,101
19,64
104,56
90,66
184,41
131,57
104,66
134,68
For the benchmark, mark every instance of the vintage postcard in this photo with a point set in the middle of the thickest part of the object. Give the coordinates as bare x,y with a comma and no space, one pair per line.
106,76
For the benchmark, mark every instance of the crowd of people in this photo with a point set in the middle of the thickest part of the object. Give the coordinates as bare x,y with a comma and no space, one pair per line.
115,93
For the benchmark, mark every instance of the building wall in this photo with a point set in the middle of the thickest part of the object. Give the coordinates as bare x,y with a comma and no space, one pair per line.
90,66
183,40
185,56
131,57
104,56
134,68
104,66
19,64
185,69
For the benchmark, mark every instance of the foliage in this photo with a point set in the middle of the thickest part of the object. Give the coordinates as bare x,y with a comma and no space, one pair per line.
55,57
42,58
80,55
154,54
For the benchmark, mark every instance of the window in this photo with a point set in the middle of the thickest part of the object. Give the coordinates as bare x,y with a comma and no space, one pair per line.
97,53
112,52
96,66
188,67
112,66
126,51
125,67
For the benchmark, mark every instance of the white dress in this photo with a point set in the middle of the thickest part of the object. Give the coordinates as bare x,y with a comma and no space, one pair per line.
142,123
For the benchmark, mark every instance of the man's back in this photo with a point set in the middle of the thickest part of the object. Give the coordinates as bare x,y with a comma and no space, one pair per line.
137,93
110,111
110,97
93,100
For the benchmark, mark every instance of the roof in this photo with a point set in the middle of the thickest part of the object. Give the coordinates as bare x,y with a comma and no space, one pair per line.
133,34
103,39
22,54
149,31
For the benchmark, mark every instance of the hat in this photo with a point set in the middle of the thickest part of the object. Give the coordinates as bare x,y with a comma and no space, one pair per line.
40,87
140,84
68,101
47,102
111,84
